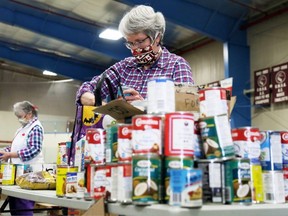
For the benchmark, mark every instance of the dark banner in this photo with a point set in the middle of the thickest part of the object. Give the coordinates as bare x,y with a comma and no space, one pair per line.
262,87
279,79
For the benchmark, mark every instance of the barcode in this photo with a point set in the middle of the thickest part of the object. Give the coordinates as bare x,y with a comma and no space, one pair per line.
269,196
176,197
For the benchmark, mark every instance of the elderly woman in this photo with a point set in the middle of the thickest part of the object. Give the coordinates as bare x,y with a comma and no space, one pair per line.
26,148
143,29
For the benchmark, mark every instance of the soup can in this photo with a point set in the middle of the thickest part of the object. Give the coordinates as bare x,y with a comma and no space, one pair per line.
160,95
213,102
111,182
96,145
179,134
61,178
124,147
147,134
124,183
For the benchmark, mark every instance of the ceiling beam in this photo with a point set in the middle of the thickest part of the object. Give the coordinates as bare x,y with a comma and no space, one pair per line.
57,64
198,18
67,30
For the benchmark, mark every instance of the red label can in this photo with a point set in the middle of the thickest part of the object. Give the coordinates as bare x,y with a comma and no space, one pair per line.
179,134
124,148
147,134
96,145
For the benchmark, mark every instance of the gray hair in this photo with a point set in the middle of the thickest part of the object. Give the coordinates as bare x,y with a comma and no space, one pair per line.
26,107
143,19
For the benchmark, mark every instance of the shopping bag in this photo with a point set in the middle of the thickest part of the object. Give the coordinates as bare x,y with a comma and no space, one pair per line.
86,117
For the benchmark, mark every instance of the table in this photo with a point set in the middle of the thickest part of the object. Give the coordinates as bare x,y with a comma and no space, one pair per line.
206,210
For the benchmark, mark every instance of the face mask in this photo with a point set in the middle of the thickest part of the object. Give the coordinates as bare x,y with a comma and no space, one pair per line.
23,121
145,56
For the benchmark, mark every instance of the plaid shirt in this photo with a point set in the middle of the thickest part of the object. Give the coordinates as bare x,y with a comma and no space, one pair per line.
34,143
129,73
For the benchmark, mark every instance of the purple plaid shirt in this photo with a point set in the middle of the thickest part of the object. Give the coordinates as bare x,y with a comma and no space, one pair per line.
128,73
34,143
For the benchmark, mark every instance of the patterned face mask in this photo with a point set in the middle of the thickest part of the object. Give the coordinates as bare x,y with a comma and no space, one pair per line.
145,56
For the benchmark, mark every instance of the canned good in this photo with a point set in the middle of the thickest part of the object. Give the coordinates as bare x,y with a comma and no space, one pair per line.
112,143
284,143
160,95
71,184
274,187
96,145
61,176
238,181
174,163
80,185
111,182
124,183
271,151
147,134
216,137
213,102
8,173
247,143
186,187
146,179
257,183
179,134
100,182
124,147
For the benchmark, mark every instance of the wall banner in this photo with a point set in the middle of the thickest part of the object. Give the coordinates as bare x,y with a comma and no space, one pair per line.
279,79
262,90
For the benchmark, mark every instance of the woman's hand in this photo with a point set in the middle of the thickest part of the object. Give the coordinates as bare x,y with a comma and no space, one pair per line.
4,156
88,99
132,95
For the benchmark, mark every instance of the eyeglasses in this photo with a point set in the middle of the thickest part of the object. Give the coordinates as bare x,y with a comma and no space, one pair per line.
129,45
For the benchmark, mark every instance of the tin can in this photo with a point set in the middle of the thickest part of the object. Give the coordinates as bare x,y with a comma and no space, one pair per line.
247,143
198,147
124,183
284,144
111,182
179,134
186,188
238,181
213,102
285,174
175,162
213,180
96,145
80,185
274,187
90,173
62,156
146,179
216,137
100,182
71,184
124,147
61,176
8,173
112,143
147,135
271,151
257,183
160,95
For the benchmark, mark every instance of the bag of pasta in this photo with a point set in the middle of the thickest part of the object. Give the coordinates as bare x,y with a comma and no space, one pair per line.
41,180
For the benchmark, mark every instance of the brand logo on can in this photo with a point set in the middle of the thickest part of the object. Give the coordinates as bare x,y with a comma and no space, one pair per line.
96,137
140,122
284,136
125,131
244,166
251,134
144,163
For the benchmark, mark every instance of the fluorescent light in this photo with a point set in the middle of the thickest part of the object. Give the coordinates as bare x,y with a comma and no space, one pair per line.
110,34
49,73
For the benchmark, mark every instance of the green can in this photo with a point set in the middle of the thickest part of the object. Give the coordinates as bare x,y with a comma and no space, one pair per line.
176,162
238,181
146,172
111,143
216,137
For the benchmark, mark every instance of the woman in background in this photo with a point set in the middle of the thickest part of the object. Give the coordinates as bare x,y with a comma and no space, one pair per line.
26,148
